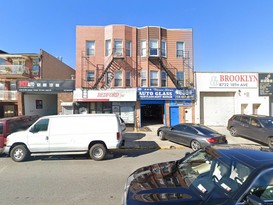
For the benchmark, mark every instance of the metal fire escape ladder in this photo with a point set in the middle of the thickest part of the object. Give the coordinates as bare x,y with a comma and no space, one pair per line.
103,74
165,66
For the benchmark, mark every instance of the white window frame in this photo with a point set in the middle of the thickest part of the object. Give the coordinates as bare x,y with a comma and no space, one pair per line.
180,50
153,47
118,78
163,48
180,81
143,79
152,79
128,78
143,48
118,47
107,47
90,48
128,48
90,76
164,78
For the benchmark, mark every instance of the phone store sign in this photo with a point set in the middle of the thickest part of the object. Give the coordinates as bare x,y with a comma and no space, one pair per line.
165,93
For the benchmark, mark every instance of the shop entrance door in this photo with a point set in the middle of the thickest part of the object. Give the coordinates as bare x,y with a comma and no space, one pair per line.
174,116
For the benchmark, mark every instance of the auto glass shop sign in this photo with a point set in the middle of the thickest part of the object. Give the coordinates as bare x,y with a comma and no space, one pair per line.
45,86
165,93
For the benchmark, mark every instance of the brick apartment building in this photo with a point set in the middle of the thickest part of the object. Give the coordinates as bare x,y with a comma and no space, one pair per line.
26,71
143,74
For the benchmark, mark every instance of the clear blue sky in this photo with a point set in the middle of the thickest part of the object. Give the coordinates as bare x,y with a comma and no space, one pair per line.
228,35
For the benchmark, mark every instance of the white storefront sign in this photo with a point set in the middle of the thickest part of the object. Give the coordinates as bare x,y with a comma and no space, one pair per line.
128,94
233,80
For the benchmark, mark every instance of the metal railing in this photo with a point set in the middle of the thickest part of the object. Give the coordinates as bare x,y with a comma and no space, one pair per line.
8,95
14,69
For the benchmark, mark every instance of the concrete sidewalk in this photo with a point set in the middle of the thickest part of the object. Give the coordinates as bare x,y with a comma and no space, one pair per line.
147,138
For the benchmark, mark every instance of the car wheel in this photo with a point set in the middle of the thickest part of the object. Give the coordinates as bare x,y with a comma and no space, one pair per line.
270,142
233,132
161,135
195,145
97,152
19,153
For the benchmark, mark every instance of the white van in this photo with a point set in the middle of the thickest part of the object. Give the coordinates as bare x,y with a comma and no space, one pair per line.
67,134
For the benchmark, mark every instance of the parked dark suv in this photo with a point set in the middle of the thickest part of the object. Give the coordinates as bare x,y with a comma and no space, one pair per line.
258,128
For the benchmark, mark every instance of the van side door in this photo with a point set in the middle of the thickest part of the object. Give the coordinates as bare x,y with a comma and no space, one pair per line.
38,134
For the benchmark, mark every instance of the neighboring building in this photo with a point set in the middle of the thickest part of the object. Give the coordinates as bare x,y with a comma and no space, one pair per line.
220,95
144,74
27,70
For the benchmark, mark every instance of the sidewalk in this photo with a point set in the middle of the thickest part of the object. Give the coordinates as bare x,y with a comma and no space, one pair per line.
147,138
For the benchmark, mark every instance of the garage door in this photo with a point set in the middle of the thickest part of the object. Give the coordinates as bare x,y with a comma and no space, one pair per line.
216,108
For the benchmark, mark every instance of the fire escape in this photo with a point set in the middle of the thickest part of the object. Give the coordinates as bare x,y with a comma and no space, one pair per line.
104,73
162,62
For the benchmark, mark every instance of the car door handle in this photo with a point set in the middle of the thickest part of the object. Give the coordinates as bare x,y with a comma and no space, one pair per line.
46,138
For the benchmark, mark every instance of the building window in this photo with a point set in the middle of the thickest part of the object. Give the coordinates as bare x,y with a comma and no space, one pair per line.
118,47
108,78
2,61
143,48
163,79
180,49
90,48
128,79
153,48
35,67
154,78
163,48
12,85
107,47
118,78
143,78
90,76
180,78
128,48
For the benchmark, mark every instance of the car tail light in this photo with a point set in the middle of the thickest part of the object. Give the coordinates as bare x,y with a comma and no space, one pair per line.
212,140
118,135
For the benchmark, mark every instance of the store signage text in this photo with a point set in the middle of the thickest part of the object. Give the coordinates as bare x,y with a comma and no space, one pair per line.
165,93
233,80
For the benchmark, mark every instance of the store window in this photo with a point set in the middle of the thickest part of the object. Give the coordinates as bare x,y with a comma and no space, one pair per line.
90,48
107,47
153,47
128,48
163,79
118,47
163,48
180,78
153,78
180,49
143,79
118,78
128,79
90,76
143,49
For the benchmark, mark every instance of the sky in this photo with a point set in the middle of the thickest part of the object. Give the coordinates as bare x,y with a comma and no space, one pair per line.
228,35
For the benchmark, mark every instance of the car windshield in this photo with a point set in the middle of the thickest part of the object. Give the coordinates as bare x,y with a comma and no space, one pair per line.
205,171
267,122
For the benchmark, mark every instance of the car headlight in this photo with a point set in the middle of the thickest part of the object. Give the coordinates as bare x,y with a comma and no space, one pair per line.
126,189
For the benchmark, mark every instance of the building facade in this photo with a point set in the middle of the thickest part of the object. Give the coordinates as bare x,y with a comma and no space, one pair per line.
26,70
144,74
221,95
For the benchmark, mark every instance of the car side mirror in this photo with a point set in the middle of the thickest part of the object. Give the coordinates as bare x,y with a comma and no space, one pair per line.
254,200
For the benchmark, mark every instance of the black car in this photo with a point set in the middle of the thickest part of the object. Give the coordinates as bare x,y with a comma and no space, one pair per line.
191,135
221,174
258,128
